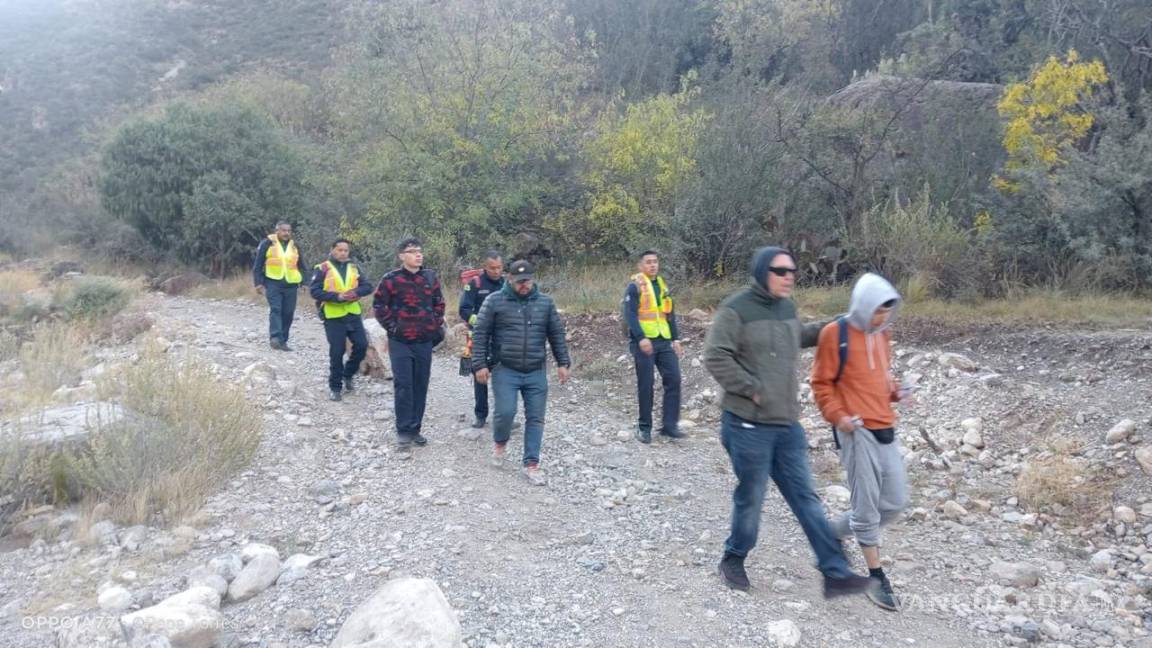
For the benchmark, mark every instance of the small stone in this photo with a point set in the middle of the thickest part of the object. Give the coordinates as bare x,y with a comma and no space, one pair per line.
227,566
783,634
470,434
1120,432
837,493
115,599
1015,574
1144,458
954,510
298,620
1101,561
782,585
597,440
957,361
1124,514
624,435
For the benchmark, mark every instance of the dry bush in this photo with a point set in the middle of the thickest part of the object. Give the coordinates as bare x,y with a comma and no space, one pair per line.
1059,481
185,433
237,287
94,298
52,359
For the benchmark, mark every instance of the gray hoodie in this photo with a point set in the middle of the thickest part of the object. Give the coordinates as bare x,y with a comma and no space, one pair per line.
869,293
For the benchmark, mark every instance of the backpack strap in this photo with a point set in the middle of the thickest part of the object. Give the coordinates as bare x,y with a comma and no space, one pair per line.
842,350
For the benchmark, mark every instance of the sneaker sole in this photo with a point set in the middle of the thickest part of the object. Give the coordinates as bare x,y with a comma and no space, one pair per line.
735,586
848,591
882,605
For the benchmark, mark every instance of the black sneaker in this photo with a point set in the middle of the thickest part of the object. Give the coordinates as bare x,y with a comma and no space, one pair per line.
275,344
419,439
479,422
334,396
673,433
284,347
732,571
643,436
403,442
882,595
348,386
852,584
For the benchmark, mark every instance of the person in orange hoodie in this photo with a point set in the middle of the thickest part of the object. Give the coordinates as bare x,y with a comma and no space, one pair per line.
856,397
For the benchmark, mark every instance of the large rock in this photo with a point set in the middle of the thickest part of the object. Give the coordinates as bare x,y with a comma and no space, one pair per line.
115,599
1144,458
257,576
199,595
183,283
1015,574
409,612
68,424
184,626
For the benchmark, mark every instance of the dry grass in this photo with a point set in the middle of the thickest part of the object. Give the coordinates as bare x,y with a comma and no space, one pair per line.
186,434
238,287
14,283
1058,480
52,359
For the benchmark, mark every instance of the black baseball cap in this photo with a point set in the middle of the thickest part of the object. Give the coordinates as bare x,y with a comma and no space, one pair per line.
521,270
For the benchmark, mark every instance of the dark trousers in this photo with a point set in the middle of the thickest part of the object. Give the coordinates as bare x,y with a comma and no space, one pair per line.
507,386
664,360
281,297
349,327
780,452
411,370
480,391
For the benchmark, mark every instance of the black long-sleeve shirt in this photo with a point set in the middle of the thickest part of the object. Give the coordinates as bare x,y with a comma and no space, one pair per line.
632,311
258,278
474,294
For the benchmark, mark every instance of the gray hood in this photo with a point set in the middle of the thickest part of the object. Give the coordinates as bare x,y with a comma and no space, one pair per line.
871,290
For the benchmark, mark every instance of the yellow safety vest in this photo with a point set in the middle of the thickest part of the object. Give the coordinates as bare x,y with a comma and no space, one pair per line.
333,283
280,262
653,318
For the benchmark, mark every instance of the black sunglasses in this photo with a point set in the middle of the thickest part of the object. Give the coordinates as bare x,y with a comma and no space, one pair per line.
781,272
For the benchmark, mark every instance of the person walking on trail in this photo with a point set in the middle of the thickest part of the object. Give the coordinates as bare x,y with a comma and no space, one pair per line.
276,275
751,350
488,282
409,305
854,389
655,345
509,350
337,286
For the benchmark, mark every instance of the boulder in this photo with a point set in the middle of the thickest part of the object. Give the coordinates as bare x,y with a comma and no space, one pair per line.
258,575
1121,432
783,634
410,612
183,626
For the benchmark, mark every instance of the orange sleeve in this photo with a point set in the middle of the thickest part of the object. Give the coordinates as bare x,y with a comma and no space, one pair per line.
824,370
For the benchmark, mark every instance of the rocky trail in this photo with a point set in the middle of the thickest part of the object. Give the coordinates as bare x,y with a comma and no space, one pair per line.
620,548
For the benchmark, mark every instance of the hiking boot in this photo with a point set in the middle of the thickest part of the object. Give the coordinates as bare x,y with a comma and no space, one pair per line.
419,439
275,343
534,474
673,433
404,442
643,436
479,422
348,386
882,595
851,584
498,451
731,570
334,396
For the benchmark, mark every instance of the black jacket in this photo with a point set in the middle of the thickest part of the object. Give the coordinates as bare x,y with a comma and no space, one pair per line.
511,330
258,278
316,285
475,293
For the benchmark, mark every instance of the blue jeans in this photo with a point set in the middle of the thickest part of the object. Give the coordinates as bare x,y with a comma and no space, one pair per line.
507,384
664,360
760,451
281,297
411,371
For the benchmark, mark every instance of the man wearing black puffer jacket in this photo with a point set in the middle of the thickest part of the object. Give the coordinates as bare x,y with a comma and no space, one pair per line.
516,323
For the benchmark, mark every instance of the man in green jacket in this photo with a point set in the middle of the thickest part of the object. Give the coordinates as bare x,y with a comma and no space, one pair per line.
751,350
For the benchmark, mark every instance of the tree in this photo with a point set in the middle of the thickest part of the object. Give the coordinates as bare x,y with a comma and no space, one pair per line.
204,184
637,163
460,116
1048,113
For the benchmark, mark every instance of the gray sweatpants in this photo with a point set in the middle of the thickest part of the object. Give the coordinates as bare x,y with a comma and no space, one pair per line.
878,483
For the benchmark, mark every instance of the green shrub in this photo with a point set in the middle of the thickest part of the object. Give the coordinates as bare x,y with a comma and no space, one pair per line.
93,298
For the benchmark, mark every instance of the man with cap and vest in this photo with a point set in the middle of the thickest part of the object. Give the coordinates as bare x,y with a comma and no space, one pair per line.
276,275
409,305
337,286
655,345
488,282
513,331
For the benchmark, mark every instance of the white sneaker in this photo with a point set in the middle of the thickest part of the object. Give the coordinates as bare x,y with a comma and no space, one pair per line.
497,458
535,475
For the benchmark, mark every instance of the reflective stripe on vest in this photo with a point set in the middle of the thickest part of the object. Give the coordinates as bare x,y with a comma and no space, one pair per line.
653,318
334,283
280,262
